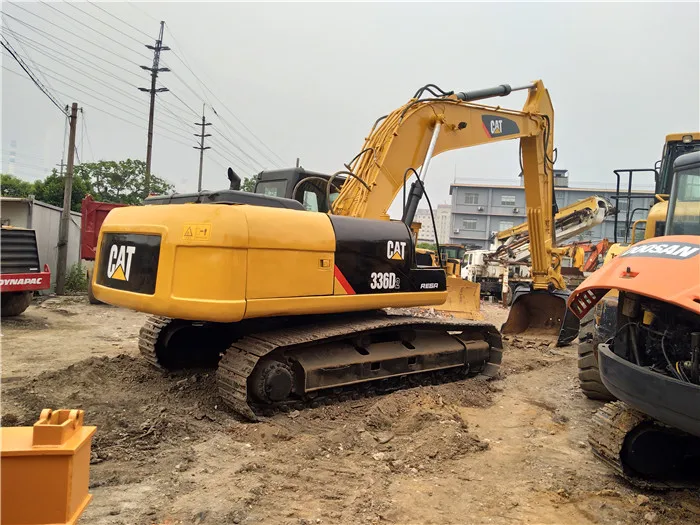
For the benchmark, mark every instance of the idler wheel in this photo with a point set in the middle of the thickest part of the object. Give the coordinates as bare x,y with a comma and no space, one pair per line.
272,382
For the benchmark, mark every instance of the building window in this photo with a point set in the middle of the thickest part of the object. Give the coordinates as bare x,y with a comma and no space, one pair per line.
621,230
471,198
469,224
505,225
507,200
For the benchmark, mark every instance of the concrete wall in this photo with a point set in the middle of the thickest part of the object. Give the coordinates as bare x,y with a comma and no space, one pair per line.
44,219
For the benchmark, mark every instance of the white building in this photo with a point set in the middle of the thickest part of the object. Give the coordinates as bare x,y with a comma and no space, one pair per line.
443,221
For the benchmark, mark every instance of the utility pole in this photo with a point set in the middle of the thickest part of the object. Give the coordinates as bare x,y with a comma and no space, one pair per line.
201,147
61,263
61,165
154,75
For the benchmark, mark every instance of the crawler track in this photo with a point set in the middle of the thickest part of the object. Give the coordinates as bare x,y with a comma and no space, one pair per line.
148,338
619,436
243,356
293,341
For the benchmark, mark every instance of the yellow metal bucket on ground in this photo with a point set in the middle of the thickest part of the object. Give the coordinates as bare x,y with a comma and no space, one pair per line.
46,470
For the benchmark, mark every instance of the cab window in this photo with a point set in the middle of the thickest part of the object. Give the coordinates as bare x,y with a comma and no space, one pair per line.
684,218
272,188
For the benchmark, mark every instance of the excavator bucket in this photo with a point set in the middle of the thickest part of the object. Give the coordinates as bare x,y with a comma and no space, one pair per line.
462,299
541,313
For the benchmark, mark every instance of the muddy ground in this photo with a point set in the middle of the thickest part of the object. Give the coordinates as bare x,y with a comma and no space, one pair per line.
506,451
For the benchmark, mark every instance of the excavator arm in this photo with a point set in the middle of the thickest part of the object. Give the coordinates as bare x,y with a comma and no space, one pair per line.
402,143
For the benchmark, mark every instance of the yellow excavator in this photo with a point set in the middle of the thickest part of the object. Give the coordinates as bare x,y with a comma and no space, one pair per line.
312,330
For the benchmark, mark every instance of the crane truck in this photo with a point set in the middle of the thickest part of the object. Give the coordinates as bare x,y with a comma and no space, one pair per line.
207,266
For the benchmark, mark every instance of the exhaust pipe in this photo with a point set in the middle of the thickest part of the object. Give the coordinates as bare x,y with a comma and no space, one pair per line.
235,180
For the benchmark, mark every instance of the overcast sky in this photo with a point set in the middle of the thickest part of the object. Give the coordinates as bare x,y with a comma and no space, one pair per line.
309,80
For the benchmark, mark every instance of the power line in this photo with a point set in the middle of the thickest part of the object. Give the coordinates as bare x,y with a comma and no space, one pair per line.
72,33
31,76
134,5
72,19
138,125
72,47
182,101
21,45
235,131
239,149
104,99
126,94
113,115
95,79
87,135
38,45
94,4
204,86
87,75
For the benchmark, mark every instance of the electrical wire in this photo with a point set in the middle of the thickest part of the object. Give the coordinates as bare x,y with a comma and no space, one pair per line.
26,53
87,135
96,5
70,82
91,77
71,47
41,48
73,19
82,132
134,5
139,125
663,351
205,87
8,48
254,161
127,95
73,33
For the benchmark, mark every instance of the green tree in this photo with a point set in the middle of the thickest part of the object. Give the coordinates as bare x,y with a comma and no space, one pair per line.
122,181
11,186
109,181
50,190
248,184
427,246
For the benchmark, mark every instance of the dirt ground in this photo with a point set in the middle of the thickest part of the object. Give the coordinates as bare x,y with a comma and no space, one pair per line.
506,451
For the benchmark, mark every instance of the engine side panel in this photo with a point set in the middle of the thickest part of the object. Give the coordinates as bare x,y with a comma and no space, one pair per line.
663,268
224,263
377,257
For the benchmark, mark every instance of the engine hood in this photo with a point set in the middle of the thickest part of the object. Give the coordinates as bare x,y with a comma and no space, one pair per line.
664,268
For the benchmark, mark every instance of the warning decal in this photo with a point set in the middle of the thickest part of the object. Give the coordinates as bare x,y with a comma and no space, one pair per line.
196,232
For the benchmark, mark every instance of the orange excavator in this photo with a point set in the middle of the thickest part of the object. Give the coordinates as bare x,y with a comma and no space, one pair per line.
587,256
